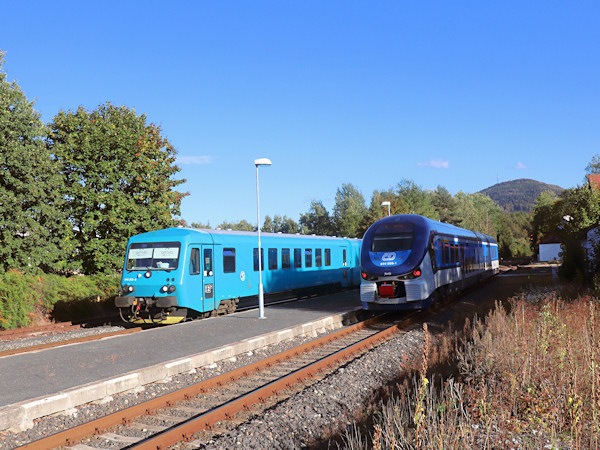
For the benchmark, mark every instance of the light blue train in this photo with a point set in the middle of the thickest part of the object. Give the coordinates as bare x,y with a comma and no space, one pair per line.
177,273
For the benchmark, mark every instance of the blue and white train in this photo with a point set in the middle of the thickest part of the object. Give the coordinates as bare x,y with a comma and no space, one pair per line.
176,273
408,261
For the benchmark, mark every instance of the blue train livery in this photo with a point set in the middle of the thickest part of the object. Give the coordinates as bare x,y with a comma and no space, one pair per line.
170,275
408,261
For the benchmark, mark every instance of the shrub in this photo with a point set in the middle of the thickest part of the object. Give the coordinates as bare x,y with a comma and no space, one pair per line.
28,298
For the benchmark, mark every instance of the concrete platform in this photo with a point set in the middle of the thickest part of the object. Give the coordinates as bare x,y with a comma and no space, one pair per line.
35,385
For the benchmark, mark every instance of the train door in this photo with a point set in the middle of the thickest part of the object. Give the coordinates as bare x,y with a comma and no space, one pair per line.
199,287
208,277
347,277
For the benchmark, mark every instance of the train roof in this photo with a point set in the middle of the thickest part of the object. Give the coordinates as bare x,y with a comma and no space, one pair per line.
183,232
439,227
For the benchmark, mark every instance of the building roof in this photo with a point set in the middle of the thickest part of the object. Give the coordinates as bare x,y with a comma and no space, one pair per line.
594,180
551,239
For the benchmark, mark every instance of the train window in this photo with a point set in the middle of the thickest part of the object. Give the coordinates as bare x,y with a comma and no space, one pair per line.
195,262
208,263
272,259
286,263
262,258
229,260
297,258
344,257
318,257
327,256
393,237
153,256
308,257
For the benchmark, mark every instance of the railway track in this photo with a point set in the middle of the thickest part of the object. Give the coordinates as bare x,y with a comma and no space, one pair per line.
191,414
20,333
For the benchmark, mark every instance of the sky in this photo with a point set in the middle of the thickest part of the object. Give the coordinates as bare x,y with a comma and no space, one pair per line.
455,94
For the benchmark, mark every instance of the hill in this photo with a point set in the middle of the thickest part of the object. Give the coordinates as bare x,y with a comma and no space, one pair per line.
519,195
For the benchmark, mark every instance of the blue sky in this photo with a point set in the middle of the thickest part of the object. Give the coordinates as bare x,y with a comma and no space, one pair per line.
457,94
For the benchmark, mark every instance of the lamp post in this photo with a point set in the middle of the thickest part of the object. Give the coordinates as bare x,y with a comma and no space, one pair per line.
388,204
261,298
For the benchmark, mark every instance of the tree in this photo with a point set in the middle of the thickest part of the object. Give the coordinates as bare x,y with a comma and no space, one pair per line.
594,166
317,220
117,173
280,225
415,200
445,206
376,211
349,211
479,213
33,228
242,225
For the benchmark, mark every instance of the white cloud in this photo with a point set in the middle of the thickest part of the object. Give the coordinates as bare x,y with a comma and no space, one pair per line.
194,159
520,166
436,163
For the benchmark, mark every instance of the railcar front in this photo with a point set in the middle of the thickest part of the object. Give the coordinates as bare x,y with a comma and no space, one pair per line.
153,276
395,265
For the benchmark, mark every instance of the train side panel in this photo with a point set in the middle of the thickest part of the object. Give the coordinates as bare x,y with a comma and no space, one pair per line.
210,270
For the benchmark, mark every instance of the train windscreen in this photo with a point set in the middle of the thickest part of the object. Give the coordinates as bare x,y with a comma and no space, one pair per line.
153,256
393,237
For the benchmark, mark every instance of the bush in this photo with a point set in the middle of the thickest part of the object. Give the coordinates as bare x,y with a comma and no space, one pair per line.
27,298
529,378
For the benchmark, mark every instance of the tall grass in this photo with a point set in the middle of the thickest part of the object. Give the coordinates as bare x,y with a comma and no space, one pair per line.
528,377
26,298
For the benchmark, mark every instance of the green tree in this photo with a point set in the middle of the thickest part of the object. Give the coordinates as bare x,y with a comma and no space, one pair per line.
117,172
34,232
280,225
376,211
594,166
544,218
200,225
445,206
242,225
415,200
479,213
349,211
317,220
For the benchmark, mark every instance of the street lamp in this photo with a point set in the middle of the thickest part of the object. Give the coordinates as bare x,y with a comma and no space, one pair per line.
388,204
261,297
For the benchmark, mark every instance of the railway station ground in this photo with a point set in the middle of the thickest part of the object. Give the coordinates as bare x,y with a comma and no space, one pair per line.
45,382
55,380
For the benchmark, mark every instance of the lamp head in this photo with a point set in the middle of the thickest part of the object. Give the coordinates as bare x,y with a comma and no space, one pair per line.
262,162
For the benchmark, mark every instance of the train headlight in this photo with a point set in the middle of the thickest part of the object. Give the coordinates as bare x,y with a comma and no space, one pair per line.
171,289
368,277
164,289
127,289
416,273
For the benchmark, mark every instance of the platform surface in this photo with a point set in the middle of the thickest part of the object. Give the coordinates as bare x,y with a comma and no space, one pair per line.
33,375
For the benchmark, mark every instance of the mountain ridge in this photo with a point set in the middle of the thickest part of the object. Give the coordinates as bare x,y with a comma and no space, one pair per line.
520,194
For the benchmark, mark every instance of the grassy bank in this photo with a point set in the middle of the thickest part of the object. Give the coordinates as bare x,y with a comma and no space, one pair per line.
528,377
27,299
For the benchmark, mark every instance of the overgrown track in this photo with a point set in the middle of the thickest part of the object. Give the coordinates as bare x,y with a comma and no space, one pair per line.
179,416
19,333
67,341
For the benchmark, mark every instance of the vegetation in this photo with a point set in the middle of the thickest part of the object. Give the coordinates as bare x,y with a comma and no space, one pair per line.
33,228
519,195
116,180
528,378
27,298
